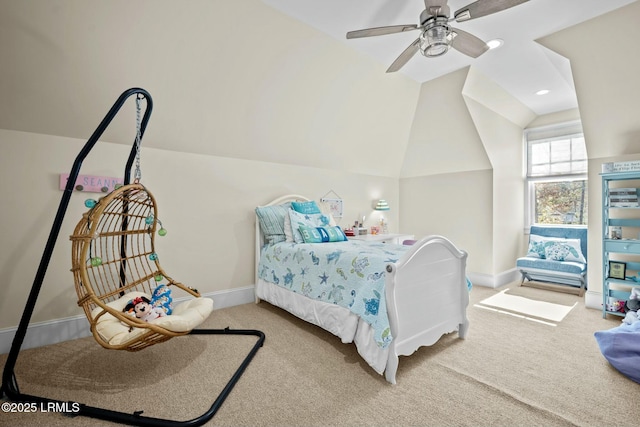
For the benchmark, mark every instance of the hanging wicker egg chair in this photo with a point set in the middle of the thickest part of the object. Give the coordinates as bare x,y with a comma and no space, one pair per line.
114,261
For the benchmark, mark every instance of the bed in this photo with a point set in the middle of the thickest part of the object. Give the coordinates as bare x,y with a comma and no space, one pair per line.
388,300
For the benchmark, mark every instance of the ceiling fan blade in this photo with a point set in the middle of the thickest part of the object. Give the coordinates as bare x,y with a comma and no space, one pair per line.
484,7
468,43
380,31
437,7
405,56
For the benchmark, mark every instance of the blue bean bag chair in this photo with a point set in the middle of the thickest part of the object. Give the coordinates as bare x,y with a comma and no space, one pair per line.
621,347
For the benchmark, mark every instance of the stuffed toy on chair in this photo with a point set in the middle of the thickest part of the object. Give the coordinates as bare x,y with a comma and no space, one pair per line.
147,309
142,309
161,298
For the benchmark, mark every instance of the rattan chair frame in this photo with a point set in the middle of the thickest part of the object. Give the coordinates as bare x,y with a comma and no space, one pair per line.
120,231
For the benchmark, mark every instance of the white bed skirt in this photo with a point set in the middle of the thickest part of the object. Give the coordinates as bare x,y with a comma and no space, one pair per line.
338,320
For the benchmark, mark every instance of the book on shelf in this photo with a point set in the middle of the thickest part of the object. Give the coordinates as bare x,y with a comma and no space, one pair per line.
623,197
623,202
623,192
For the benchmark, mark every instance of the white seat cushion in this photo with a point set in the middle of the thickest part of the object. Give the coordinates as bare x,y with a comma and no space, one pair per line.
186,316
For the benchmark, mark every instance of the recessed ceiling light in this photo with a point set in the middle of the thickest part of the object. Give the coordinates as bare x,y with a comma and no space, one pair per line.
495,43
542,92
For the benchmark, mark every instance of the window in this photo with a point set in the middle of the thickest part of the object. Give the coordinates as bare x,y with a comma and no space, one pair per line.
556,175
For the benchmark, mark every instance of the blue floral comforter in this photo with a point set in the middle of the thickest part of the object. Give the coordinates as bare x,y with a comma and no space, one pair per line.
349,274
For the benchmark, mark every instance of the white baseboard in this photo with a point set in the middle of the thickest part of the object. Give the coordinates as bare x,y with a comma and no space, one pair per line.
60,330
496,281
593,299
45,333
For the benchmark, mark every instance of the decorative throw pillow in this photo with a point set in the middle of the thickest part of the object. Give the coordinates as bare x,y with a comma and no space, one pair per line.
310,207
271,219
555,249
308,220
558,251
536,247
322,234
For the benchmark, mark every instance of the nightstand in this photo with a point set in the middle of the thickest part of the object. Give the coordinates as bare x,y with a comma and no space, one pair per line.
395,239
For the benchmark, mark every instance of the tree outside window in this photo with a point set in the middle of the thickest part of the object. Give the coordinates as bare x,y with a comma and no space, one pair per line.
556,175
563,202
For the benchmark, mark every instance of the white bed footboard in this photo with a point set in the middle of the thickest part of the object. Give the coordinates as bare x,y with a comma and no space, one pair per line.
427,297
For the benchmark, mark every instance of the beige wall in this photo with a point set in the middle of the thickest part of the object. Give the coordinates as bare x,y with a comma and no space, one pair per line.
250,104
443,137
462,174
499,120
206,203
604,75
503,142
457,206
605,70
229,78
445,183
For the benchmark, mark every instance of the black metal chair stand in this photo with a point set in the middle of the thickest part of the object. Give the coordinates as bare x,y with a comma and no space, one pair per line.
10,387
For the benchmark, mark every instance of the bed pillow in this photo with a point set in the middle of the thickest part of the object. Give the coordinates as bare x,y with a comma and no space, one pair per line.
310,207
555,249
271,219
288,231
322,234
307,220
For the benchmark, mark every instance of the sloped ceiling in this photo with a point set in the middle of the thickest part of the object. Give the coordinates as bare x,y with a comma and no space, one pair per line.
242,80
233,79
521,66
443,140
605,64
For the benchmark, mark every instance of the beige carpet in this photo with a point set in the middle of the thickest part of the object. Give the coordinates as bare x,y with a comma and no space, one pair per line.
509,371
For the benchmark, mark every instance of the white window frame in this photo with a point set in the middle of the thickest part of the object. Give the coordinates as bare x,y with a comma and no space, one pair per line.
558,131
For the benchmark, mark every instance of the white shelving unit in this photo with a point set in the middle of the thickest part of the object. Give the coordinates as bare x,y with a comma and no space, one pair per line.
622,250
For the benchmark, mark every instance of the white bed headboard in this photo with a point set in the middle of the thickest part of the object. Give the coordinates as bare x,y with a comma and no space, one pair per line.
260,236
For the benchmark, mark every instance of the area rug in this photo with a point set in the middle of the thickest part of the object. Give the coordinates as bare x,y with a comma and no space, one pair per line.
525,307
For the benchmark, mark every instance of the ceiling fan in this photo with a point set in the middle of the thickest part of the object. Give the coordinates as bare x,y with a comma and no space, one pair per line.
437,36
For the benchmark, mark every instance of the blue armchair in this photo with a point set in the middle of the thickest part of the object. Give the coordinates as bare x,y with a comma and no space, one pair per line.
553,258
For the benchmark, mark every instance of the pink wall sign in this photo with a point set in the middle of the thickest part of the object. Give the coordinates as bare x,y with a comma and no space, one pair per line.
91,183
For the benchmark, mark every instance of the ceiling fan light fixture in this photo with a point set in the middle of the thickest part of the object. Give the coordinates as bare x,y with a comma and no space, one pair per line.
435,40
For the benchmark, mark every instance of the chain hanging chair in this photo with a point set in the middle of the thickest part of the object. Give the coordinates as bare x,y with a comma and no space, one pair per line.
114,263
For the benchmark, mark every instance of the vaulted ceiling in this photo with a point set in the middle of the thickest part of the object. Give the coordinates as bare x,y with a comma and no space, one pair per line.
246,80
521,66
